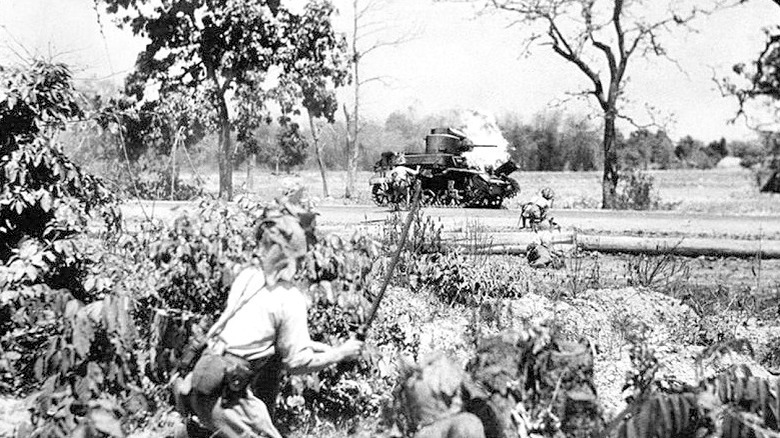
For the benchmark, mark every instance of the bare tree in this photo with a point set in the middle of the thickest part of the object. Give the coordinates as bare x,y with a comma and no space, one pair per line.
366,37
599,37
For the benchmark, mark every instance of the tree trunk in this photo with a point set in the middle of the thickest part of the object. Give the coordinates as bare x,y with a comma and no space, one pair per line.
350,146
224,151
315,136
610,180
173,165
353,147
250,172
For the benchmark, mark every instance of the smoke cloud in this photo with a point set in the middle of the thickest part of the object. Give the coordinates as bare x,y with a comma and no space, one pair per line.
482,129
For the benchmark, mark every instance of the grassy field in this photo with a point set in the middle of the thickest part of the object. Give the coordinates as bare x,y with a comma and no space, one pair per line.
716,191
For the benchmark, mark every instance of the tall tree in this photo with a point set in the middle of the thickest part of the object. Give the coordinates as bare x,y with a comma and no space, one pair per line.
363,41
225,54
317,79
599,38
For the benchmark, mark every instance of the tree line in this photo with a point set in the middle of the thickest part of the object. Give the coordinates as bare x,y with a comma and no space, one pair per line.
228,69
549,141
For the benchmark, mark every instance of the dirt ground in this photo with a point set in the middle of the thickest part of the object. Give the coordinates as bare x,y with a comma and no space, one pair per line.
633,223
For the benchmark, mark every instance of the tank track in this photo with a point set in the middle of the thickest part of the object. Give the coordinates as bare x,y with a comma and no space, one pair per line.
430,199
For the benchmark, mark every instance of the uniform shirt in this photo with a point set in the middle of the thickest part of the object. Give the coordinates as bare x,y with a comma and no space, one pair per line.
272,320
401,172
541,201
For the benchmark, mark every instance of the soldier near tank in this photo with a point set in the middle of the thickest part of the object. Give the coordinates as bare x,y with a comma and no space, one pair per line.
536,211
233,386
401,183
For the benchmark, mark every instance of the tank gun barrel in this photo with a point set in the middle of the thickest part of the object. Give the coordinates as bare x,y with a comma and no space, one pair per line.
483,145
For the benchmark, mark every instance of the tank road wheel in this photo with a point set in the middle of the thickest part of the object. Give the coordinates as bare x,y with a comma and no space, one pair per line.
478,193
380,195
428,197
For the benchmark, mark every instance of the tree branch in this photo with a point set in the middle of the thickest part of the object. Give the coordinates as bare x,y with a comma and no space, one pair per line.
562,48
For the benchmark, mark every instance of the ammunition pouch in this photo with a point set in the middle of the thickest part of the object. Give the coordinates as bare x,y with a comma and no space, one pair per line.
208,375
238,373
226,374
238,376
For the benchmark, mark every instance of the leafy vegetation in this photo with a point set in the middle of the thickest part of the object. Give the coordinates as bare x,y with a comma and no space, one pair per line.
218,54
94,324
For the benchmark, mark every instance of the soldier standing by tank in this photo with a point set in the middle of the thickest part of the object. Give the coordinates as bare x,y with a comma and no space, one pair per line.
401,182
233,386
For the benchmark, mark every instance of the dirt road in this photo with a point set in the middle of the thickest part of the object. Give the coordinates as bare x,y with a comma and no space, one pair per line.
599,222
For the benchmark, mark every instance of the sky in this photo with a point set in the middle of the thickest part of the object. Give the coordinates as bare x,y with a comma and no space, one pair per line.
457,58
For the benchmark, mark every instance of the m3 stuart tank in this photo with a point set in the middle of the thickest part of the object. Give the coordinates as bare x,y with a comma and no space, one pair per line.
445,176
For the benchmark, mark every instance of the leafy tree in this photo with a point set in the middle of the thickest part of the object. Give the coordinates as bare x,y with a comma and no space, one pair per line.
551,143
221,53
718,149
599,38
580,143
750,152
317,80
644,149
763,83
292,146
693,153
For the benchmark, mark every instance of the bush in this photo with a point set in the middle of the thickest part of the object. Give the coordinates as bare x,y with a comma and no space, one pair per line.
57,335
750,153
151,179
637,192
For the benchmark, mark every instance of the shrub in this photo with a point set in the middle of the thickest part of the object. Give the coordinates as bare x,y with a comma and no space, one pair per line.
76,346
637,192
152,180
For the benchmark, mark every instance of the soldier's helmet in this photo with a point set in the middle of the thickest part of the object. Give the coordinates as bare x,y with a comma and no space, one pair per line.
548,193
283,234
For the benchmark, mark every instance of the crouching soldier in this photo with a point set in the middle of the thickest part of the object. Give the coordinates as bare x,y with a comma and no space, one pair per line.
537,210
543,255
233,387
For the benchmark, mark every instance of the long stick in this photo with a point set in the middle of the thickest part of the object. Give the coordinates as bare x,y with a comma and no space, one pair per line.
396,256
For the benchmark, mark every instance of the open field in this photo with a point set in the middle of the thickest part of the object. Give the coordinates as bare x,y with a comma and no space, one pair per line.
715,191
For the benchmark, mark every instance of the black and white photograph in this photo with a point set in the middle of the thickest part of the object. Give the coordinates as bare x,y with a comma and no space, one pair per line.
389,218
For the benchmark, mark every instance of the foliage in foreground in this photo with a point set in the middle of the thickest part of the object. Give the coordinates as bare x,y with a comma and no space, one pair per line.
94,325
112,357
731,404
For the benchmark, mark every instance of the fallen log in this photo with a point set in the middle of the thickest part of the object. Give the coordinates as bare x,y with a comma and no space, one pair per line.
516,244
684,246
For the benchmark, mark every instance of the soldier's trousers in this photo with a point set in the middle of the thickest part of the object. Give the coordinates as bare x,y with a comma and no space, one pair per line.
249,414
